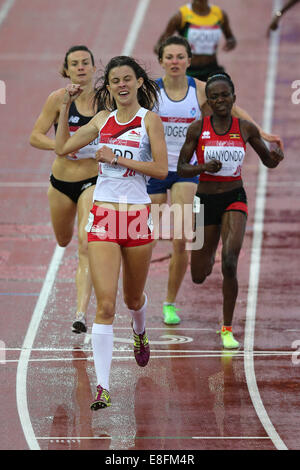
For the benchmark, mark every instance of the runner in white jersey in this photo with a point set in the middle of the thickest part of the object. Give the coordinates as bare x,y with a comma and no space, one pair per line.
179,105
176,116
119,231
131,141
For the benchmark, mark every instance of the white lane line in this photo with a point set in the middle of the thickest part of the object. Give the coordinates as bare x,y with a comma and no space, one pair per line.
154,355
256,249
68,439
21,380
135,26
205,353
21,386
5,10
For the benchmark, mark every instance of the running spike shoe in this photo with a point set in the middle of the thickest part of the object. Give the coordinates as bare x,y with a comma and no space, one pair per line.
79,324
228,340
141,348
170,315
102,399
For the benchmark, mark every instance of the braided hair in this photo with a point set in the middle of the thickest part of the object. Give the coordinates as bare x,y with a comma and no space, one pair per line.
223,76
147,94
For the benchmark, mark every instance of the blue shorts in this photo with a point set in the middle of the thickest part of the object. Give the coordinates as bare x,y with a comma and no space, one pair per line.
156,186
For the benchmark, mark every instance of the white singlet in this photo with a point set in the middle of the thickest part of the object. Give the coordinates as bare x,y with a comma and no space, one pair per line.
177,117
116,183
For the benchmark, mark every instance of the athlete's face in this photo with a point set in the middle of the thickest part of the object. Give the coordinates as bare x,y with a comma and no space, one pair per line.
220,97
80,67
199,3
123,84
175,60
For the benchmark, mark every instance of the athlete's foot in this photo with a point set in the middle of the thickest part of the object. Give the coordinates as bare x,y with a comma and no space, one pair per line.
228,340
79,324
170,315
102,399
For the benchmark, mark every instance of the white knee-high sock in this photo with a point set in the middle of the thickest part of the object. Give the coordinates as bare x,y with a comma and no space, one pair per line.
102,342
139,318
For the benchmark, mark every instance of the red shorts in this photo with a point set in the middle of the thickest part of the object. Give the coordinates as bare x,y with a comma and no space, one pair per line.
132,228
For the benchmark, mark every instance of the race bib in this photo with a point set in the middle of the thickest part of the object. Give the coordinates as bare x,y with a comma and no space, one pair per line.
231,158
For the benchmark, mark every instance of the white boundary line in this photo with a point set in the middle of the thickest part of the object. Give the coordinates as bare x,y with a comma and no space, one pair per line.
256,249
5,10
99,438
21,380
135,26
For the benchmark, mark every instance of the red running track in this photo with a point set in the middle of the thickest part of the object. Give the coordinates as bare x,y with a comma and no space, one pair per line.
192,396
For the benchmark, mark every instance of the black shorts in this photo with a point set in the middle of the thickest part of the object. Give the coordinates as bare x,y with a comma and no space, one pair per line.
72,189
202,73
216,204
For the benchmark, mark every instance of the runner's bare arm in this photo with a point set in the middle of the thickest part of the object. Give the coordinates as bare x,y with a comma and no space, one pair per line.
270,158
158,168
184,168
172,27
226,28
66,144
239,112
45,121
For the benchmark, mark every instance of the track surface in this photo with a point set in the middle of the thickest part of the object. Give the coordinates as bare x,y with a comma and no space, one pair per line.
192,395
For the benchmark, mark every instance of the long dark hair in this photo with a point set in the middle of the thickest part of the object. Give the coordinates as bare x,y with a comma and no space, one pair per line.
147,94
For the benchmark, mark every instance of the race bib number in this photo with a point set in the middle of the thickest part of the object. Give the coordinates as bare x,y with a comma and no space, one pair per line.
204,40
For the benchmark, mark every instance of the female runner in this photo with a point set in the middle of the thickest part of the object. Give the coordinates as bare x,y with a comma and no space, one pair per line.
203,26
74,175
220,144
132,145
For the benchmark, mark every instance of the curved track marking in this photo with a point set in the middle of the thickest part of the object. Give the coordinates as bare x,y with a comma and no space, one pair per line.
256,250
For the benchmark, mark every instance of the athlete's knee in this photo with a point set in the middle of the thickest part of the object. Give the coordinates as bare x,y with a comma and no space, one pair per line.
199,276
105,311
179,246
63,241
133,302
229,265
82,244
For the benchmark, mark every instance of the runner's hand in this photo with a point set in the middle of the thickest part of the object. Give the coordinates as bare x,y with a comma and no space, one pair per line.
72,91
276,156
272,139
104,155
213,166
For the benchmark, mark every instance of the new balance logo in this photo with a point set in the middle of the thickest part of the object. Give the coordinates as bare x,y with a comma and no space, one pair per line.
86,185
74,119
